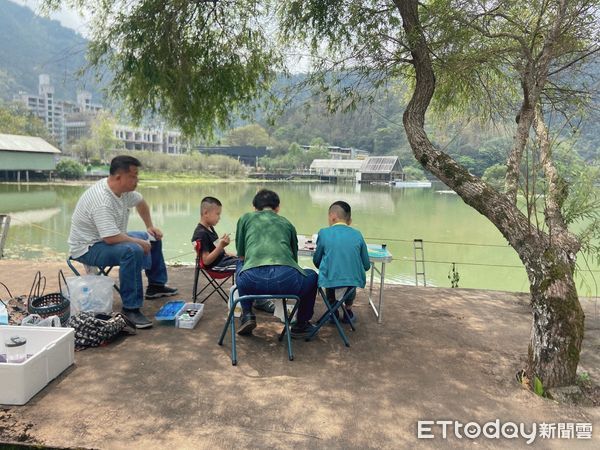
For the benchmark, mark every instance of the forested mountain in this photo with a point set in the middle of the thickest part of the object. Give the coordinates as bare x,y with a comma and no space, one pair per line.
377,127
31,45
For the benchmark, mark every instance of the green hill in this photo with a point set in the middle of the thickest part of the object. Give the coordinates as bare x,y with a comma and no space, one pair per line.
31,45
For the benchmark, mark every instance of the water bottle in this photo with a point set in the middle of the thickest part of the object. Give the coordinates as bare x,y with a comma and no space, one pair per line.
3,314
85,301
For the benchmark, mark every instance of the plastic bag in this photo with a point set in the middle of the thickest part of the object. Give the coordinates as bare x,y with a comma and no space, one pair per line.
35,320
92,293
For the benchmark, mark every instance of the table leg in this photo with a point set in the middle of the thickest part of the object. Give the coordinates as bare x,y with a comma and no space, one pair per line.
371,285
380,315
373,269
377,309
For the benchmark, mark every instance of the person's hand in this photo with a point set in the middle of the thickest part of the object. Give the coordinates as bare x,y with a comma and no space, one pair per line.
225,240
145,246
155,232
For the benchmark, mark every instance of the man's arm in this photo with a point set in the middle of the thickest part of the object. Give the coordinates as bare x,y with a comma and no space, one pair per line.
294,243
318,255
144,211
364,254
209,257
122,237
109,231
240,237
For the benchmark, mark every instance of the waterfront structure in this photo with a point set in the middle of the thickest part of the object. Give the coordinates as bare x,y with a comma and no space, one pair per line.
380,169
374,169
24,154
343,168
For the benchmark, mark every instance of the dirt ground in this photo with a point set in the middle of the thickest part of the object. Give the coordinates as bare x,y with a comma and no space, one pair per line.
440,354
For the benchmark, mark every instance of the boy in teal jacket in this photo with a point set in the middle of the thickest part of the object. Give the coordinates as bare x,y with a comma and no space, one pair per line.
341,255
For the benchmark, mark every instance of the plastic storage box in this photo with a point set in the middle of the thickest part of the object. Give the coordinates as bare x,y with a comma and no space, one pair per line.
51,351
169,310
191,323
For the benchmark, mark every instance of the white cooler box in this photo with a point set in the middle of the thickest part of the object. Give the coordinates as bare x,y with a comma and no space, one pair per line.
52,351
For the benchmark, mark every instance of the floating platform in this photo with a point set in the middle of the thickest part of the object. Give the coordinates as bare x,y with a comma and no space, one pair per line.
411,184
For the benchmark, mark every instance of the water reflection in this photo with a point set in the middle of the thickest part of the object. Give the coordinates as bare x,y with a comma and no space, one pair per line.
23,218
358,196
383,214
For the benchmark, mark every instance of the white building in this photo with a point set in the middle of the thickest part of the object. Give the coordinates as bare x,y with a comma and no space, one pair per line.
152,140
338,167
52,111
69,121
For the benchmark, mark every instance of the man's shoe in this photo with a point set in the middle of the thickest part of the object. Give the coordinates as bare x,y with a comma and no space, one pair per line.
247,324
265,305
302,331
136,316
156,291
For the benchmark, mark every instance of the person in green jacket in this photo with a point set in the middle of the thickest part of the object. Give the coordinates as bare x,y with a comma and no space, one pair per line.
267,244
341,256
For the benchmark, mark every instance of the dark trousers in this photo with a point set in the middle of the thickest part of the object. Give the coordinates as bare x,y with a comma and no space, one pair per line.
267,280
330,293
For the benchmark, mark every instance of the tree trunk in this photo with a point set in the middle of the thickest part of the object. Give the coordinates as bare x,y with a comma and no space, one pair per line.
557,326
557,330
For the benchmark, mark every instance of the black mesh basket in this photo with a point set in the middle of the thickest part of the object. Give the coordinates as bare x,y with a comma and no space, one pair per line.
54,304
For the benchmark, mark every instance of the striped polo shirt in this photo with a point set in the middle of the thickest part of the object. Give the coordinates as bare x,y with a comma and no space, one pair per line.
99,214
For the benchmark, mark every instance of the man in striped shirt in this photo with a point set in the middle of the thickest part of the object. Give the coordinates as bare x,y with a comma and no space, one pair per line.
99,237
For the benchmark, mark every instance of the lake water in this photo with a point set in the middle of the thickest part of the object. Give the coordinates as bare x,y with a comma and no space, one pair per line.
451,231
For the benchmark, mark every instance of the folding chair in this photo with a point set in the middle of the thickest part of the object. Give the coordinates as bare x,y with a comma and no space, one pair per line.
331,312
230,322
211,276
101,270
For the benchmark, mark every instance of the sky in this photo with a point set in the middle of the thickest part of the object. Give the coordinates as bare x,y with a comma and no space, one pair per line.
67,17
70,18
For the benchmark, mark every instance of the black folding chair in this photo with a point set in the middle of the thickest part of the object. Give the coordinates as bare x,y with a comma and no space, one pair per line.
287,317
101,271
215,279
331,313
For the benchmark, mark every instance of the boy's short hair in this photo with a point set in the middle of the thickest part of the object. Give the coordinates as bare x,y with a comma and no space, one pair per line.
265,199
208,202
122,163
341,209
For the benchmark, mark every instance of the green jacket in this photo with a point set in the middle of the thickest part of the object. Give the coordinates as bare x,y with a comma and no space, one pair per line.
264,238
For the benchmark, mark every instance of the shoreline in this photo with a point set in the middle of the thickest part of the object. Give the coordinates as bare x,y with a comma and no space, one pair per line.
142,181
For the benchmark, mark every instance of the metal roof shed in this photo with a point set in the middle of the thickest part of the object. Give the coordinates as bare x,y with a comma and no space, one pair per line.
380,168
26,153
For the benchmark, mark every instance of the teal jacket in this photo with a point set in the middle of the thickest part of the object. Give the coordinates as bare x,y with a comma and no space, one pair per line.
341,257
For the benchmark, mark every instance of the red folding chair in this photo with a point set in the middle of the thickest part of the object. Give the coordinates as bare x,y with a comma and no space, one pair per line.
215,279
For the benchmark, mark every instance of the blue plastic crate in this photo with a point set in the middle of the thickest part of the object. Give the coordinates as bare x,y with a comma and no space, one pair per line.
170,310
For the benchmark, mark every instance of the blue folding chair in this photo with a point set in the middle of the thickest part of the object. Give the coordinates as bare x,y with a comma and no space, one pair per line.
230,322
330,314
101,271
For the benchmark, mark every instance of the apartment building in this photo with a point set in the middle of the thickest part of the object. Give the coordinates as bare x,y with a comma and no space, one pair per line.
53,112
158,140
69,121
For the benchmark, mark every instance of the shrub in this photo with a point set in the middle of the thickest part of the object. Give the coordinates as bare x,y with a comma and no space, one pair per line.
495,176
69,169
